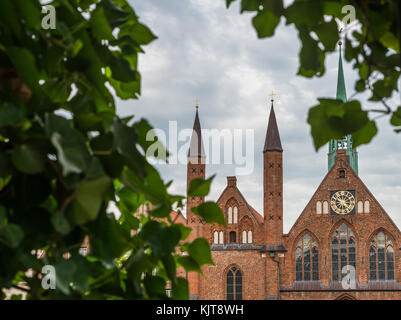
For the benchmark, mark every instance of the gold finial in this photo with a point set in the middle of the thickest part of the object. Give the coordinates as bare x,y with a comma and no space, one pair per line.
272,95
197,103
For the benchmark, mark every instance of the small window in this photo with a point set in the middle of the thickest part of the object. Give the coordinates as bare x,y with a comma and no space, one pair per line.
360,207
367,206
216,237
83,251
221,237
249,236
233,237
235,215
318,207
325,207
341,173
244,236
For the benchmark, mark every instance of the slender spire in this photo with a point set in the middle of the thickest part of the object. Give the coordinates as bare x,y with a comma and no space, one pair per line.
341,92
346,142
196,149
272,142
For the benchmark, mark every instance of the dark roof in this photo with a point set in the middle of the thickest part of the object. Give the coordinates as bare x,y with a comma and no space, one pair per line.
196,146
272,142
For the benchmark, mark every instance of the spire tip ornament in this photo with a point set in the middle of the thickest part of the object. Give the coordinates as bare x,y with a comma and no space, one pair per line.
272,95
197,103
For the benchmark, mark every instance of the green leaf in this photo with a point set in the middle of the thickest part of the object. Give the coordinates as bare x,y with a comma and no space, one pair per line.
328,34
199,250
28,159
24,63
307,13
71,146
60,223
155,286
228,2
211,212
180,289
170,266
10,115
141,34
265,22
364,135
249,5
199,187
65,270
396,117
189,264
100,25
162,239
11,235
88,199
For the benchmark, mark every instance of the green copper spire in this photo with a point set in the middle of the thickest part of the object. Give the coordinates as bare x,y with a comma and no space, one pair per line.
345,143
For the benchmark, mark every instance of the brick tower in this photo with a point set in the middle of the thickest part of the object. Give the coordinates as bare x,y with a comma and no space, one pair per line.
195,169
273,182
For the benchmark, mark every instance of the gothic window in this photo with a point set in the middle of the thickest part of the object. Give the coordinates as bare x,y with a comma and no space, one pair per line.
233,237
318,207
341,173
244,236
306,259
249,236
221,237
367,207
230,215
235,220
360,207
325,207
381,258
343,251
234,284
216,237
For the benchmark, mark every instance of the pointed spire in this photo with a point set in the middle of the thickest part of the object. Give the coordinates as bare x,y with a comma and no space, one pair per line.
196,149
345,143
272,142
341,92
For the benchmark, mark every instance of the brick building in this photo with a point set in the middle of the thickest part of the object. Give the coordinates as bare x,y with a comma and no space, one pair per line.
342,246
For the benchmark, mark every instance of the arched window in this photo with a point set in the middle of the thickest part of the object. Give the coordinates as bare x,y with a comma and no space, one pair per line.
230,215
244,236
318,207
249,236
381,258
360,207
234,284
233,237
306,259
343,251
325,207
221,237
235,215
216,237
367,207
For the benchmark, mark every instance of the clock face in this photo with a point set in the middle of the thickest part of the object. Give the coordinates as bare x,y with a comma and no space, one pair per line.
342,202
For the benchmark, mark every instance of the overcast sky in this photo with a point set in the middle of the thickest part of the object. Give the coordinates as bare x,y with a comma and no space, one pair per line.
208,52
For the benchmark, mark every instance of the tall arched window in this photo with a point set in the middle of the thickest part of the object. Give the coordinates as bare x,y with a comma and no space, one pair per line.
306,259
360,207
381,258
216,237
230,215
234,284
235,220
343,251
367,207
249,236
244,236
221,237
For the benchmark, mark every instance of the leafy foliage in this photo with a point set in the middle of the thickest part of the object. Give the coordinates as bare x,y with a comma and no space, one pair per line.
373,49
65,155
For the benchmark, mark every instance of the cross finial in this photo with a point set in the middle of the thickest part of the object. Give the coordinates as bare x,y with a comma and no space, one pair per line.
197,103
272,95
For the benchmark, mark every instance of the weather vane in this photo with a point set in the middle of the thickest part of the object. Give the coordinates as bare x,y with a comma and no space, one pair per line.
272,95
197,103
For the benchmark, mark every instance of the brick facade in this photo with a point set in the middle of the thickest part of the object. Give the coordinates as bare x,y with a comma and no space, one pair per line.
270,256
